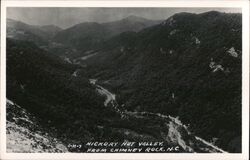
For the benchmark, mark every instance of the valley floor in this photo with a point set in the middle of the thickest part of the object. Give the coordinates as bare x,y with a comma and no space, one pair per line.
175,127
24,134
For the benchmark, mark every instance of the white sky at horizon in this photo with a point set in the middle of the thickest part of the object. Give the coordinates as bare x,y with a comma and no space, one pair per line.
67,17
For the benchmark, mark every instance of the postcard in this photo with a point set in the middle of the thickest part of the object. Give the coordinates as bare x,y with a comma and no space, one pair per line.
125,80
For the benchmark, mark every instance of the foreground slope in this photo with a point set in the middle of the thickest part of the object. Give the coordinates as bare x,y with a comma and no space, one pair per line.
25,135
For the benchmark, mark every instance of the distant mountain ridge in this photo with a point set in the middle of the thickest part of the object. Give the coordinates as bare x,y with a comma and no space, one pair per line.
88,35
38,34
130,23
50,29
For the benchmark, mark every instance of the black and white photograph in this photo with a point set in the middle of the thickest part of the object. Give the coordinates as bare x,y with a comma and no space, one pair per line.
124,80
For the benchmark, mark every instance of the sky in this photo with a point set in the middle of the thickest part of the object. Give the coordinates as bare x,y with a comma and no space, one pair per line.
67,17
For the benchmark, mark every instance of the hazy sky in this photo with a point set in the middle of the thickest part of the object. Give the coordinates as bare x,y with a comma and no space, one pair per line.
66,17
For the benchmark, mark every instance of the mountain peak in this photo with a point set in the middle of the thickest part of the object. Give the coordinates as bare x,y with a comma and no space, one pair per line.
134,18
10,20
13,22
211,13
50,27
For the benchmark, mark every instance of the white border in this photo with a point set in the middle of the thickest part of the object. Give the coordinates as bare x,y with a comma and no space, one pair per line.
180,156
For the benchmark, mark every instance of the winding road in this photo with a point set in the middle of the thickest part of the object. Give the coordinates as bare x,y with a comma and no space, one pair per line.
109,96
173,125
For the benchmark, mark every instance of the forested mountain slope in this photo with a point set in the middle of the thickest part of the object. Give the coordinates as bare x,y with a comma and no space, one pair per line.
43,84
187,66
